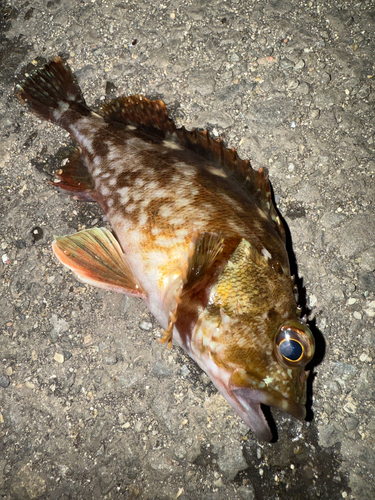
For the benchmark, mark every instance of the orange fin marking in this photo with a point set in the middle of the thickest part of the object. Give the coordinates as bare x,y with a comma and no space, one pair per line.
96,258
168,333
74,178
202,253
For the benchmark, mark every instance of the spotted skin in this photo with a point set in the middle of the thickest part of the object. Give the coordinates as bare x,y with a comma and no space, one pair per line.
202,242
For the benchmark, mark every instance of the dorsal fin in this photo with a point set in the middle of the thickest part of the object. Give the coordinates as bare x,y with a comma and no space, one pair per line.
254,181
152,117
140,112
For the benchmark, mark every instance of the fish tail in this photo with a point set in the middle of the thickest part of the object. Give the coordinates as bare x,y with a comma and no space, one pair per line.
51,91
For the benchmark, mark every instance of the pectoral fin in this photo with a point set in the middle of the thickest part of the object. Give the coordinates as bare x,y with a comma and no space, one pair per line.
96,258
203,251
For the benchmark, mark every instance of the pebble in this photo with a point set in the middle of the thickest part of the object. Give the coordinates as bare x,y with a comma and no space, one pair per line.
246,492
357,315
356,235
312,300
370,309
350,407
231,461
4,381
365,358
145,325
59,358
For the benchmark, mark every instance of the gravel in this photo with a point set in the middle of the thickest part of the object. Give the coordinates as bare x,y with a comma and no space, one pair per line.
91,406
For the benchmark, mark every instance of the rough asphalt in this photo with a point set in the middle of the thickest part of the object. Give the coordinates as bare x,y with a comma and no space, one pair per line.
91,406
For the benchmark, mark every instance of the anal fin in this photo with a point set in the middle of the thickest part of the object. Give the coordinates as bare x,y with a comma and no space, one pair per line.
74,178
96,258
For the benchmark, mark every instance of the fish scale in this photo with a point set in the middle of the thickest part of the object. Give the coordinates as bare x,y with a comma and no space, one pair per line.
194,234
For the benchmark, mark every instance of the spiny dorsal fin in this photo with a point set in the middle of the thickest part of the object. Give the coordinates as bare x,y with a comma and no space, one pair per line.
137,110
152,117
203,251
254,181
96,258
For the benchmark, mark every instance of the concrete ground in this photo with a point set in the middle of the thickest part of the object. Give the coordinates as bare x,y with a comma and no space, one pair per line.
91,406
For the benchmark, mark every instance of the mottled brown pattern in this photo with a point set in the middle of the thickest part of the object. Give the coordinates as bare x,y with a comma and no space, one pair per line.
164,190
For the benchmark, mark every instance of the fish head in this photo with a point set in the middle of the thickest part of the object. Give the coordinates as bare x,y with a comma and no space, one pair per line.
249,368
252,343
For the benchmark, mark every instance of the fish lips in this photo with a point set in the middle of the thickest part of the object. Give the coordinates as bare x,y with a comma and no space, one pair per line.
247,403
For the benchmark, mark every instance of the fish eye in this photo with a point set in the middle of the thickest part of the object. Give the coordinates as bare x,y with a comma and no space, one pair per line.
294,344
291,349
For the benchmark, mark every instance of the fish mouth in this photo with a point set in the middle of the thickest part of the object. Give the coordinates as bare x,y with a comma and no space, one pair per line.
246,400
247,403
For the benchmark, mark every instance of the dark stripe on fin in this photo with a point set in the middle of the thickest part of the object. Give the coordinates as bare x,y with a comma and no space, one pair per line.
48,87
74,178
96,258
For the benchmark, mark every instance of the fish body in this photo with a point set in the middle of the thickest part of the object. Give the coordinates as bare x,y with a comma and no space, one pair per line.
194,234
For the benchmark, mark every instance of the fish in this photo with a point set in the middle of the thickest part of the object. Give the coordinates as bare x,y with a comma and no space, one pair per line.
194,233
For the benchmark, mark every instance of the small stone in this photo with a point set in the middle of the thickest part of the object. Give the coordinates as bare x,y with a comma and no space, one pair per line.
351,301
365,358
367,262
9,371
350,407
218,483
5,259
145,325
30,385
370,309
299,65
246,492
351,423
4,381
185,371
28,483
312,300
180,452
59,358
357,315
231,461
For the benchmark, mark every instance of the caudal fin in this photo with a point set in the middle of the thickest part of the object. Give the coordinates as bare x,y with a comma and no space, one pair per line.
51,90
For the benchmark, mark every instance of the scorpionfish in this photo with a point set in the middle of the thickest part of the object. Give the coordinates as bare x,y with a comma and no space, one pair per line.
194,234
